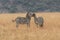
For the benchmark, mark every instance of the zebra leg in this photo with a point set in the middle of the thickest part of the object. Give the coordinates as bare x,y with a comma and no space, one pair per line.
17,25
36,22
28,24
17,22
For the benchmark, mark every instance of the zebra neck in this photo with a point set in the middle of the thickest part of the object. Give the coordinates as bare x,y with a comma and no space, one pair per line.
28,17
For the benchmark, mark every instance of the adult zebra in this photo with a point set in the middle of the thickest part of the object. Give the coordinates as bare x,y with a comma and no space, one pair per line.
24,20
38,20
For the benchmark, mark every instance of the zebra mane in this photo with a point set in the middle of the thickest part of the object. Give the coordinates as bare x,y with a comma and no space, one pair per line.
27,16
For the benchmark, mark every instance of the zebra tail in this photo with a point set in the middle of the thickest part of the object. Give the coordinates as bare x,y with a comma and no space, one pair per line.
13,20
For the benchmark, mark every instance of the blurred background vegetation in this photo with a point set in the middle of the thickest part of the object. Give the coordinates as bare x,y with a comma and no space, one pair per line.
13,6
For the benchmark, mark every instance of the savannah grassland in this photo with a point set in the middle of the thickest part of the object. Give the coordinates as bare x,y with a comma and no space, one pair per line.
50,30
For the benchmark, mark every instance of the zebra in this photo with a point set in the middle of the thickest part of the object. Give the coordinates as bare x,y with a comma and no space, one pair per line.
38,20
24,20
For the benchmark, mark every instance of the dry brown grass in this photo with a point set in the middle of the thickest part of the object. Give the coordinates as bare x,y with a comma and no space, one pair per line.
50,30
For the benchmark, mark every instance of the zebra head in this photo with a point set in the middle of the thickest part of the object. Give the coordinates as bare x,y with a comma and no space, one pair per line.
31,14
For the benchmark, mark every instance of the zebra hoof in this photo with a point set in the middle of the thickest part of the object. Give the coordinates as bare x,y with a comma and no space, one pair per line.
41,25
